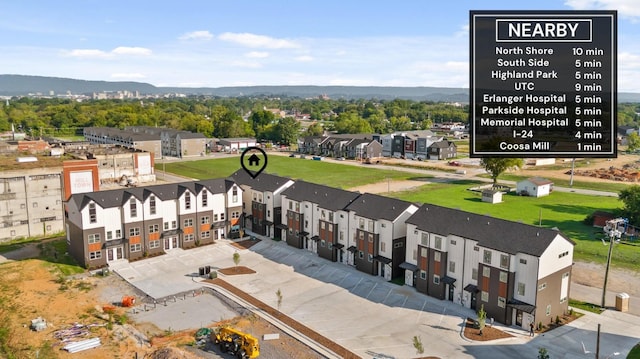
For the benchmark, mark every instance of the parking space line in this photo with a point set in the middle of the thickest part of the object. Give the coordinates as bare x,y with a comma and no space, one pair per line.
387,296
421,311
318,271
405,301
374,287
356,286
343,278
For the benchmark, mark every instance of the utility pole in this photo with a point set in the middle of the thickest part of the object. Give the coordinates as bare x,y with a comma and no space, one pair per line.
612,230
598,343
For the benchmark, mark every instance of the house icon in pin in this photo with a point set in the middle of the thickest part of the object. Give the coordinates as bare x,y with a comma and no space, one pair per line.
254,160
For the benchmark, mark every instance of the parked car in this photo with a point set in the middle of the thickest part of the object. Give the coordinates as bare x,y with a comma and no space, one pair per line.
455,163
293,155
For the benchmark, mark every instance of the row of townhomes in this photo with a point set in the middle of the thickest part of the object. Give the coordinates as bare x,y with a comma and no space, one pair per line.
411,144
132,223
519,273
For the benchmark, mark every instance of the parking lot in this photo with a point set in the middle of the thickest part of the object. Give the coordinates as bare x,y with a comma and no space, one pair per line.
366,314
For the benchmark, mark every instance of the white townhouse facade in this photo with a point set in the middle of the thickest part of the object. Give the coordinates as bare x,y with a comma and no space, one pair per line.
138,222
519,273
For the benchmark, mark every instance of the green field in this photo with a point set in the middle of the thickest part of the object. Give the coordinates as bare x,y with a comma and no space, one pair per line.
565,211
331,174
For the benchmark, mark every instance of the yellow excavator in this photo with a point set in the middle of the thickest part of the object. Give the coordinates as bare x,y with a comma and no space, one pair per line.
235,342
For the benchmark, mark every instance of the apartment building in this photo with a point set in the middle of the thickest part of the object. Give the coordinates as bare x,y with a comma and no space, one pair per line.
519,273
30,202
323,221
113,136
133,223
261,202
377,230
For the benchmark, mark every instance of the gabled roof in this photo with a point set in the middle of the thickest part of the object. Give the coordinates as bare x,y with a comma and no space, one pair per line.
442,144
374,206
218,185
539,181
498,234
264,182
330,198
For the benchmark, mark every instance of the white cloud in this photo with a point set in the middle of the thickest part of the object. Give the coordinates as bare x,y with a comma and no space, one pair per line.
127,76
197,35
245,64
118,51
138,51
626,8
257,54
304,58
257,41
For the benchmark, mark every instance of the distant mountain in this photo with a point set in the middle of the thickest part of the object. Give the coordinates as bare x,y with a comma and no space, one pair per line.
20,85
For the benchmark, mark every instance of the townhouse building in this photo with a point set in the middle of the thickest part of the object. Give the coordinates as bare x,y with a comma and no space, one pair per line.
519,273
133,223
319,219
261,202
377,233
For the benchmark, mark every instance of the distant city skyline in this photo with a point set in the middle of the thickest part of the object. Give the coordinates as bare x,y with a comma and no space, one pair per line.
245,43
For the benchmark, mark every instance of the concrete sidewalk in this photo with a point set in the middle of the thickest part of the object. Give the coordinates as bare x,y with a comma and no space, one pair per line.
366,314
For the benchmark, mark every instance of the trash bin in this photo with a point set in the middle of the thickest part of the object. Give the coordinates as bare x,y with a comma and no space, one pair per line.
622,302
201,270
207,269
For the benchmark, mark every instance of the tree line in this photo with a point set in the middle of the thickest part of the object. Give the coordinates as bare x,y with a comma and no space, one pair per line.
227,117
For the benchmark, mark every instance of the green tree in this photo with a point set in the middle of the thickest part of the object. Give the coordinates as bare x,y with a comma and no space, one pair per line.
633,142
315,129
543,353
482,318
279,298
630,196
417,343
236,258
287,130
496,166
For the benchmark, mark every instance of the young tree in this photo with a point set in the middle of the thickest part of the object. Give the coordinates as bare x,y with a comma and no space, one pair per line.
236,259
633,142
482,318
279,296
496,166
417,343
630,196
543,353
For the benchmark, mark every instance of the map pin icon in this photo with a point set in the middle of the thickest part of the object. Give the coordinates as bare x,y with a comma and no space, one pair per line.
253,160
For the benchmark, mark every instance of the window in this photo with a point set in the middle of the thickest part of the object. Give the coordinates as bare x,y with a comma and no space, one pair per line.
118,233
548,312
268,213
542,286
188,222
92,213
361,235
322,226
361,223
486,272
205,198
370,226
206,234
154,244
297,216
383,247
486,257
398,245
330,227
330,246
565,275
423,252
135,247
297,207
563,254
502,302
474,273
215,217
523,261
437,256
189,237
453,242
504,261
484,296
521,288
234,194
438,242
290,205
503,277
370,258
452,266
323,215
436,279
133,207
95,255
152,204
330,216
166,226
93,238
204,220
187,200
154,228
423,274
415,255
109,235
563,299
370,238
235,214
322,243
361,254
475,248
134,232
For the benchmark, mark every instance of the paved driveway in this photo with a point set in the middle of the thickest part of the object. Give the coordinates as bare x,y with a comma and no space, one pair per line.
366,314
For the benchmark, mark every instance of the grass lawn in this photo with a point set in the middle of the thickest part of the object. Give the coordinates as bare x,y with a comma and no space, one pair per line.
566,211
634,353
564,182
54,252
336,175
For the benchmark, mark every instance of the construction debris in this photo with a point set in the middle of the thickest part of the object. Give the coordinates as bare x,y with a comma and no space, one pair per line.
82,345
628,173
38,324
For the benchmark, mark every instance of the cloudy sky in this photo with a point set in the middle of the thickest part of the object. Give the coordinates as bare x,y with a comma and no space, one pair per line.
276,42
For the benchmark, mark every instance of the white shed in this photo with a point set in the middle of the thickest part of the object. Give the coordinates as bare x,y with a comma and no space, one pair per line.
534,187
491,196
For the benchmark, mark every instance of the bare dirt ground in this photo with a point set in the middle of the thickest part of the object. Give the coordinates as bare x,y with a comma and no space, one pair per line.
619,281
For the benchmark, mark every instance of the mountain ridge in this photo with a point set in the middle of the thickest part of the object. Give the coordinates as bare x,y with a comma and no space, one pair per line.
22,85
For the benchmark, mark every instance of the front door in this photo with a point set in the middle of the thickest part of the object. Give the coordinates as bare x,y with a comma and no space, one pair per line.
473,300
450,292
519,318
170,243
114,253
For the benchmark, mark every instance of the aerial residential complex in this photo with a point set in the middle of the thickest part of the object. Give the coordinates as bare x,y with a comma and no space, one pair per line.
519,273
